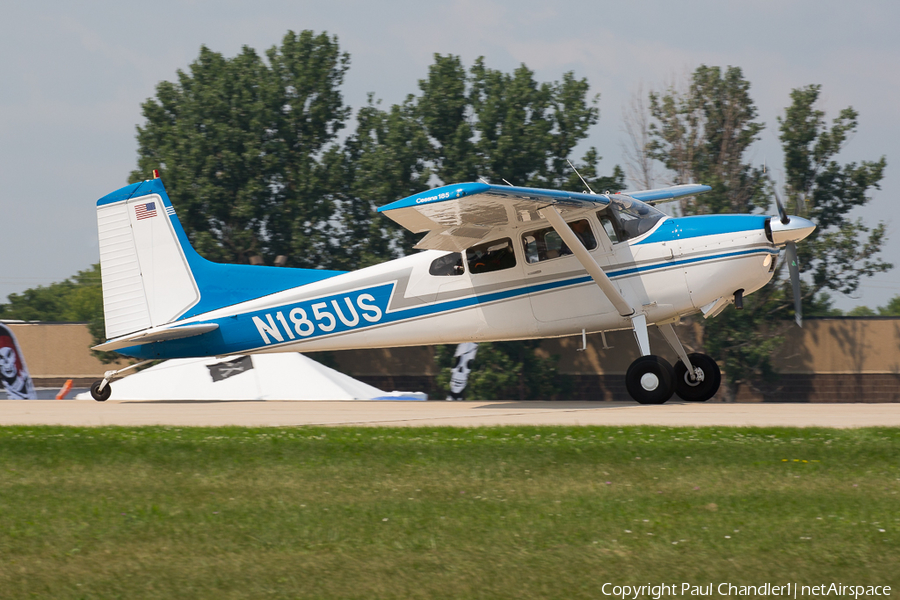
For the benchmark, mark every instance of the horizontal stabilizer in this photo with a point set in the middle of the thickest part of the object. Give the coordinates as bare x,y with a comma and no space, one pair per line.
159,334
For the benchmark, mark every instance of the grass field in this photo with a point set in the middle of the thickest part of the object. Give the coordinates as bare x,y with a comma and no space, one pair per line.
512,512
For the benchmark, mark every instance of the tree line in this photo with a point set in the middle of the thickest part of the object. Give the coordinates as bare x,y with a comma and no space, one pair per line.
261,157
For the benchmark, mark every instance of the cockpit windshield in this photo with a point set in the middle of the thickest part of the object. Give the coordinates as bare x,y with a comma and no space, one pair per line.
627,218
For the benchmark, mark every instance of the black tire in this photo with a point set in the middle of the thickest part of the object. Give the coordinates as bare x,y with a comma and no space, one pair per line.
98,394
697,391
655,389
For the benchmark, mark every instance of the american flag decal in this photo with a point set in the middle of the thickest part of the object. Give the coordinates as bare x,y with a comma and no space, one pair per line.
145,211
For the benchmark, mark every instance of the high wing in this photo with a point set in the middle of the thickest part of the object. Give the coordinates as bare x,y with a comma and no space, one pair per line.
658,195
459,216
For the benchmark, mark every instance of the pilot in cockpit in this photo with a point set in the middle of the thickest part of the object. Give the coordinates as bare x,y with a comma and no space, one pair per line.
582,231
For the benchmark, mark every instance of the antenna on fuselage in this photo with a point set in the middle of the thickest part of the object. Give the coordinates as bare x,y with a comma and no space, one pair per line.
506,182
580,177
483,180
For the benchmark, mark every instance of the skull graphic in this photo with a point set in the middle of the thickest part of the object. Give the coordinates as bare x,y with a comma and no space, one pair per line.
8,366
464,358
13,373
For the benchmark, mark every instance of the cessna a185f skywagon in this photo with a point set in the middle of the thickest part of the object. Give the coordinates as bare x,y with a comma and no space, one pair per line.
500,263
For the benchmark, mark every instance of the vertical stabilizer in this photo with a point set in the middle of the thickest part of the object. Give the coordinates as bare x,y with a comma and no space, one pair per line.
147,281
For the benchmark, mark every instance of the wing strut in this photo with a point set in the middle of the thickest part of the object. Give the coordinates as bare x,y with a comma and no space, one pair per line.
669,333
638,321
587,261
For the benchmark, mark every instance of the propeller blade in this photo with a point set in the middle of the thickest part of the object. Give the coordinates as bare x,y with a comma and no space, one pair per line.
785,219
794,267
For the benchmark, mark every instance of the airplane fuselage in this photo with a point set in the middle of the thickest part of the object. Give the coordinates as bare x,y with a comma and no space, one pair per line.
671,271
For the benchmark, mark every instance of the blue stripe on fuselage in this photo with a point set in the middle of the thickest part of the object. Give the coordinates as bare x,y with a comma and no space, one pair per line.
701,225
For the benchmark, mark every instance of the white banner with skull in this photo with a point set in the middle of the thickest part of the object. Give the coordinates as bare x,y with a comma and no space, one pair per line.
463,359
13,372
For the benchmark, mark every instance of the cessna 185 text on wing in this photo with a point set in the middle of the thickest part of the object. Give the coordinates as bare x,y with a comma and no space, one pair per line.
500,263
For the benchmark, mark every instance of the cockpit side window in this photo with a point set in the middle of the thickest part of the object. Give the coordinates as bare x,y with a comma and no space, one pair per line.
628,218
492,256
609,226
545,244
449,264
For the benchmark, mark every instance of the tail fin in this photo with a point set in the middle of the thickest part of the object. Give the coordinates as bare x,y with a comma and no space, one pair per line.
152,276
147,281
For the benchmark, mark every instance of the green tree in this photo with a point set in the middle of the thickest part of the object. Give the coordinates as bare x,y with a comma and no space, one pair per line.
444,113
384,159
891,309
702,135
239,142
841,251
76,299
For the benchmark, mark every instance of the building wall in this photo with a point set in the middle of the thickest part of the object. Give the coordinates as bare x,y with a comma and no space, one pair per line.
55,352
829,360
847,345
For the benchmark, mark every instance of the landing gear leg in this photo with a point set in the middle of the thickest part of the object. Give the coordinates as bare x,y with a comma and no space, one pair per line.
650,379
697,376
101,390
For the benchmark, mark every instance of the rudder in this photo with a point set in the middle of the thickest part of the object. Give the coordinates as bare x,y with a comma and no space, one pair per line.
147,281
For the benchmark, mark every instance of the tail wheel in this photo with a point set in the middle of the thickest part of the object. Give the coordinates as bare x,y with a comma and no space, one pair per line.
98,394
703,385
650,380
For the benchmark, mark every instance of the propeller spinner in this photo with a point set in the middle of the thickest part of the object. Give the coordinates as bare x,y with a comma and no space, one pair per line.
787,230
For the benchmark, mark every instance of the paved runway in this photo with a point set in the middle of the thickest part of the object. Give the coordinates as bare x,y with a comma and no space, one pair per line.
457,414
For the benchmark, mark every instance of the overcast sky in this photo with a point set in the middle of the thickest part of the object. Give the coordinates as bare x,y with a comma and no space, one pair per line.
73,77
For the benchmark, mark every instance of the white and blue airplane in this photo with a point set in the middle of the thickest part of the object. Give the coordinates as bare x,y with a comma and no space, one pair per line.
499,263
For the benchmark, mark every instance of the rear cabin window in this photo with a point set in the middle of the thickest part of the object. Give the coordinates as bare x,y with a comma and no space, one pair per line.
492,256
449,264
545,244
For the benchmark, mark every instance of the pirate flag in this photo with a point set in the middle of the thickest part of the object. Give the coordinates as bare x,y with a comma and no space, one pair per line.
229,368
13,372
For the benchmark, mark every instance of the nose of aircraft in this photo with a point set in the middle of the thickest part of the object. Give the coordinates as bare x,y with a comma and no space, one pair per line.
794,230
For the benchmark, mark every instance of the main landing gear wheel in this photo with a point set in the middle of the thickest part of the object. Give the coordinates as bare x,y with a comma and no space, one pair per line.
98,394
650,380
703,385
